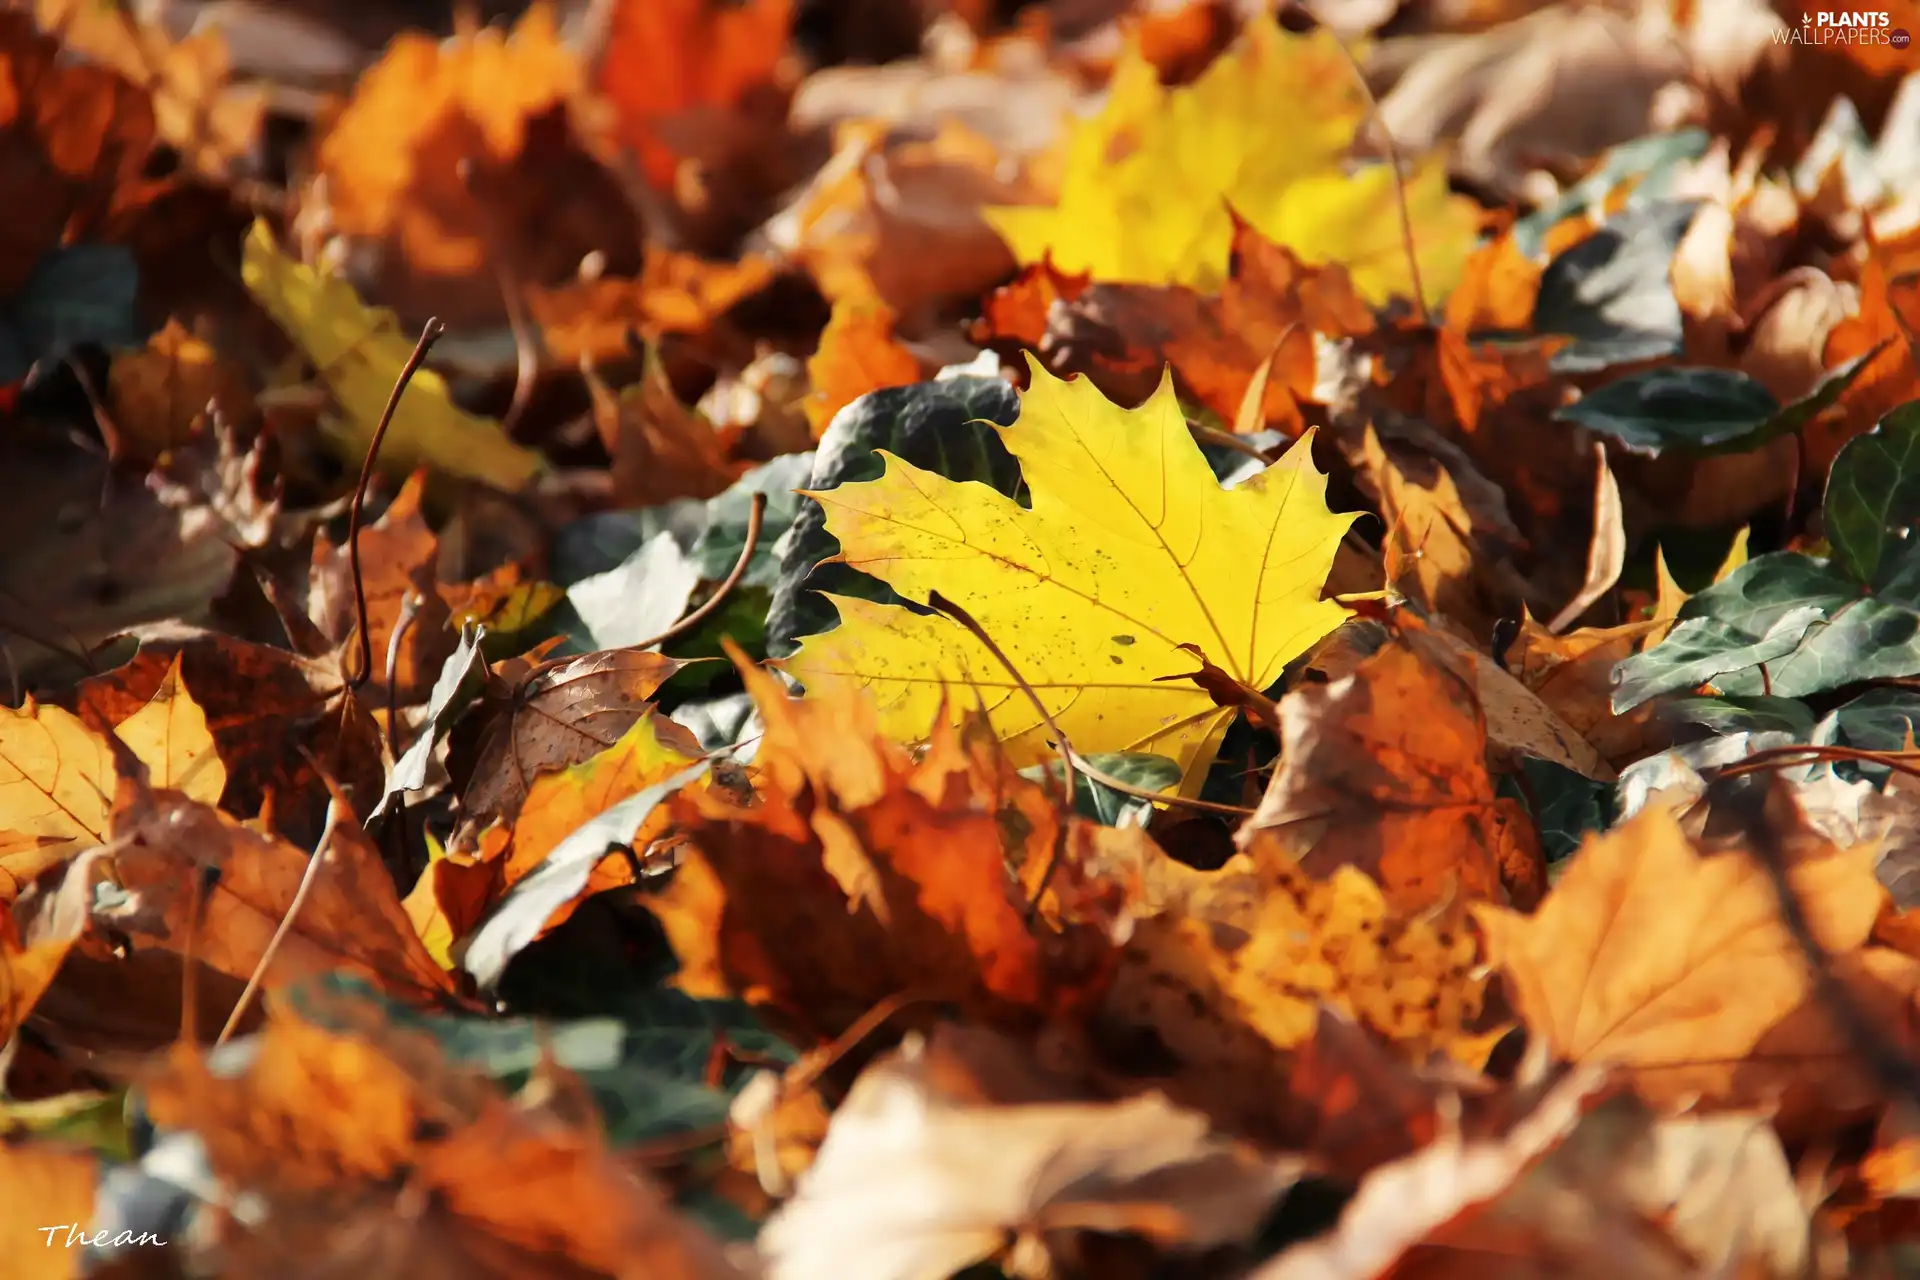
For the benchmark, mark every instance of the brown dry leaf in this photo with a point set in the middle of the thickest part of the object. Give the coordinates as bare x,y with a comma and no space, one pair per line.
1451,555
26,971
857,354
1573,674
939,1182
196,107
1497,290
159,396
43,1185
167,846
1361,1106
674,70
1385,770
591,321
1675,966
895,215
860,874
553,717
1267,312
259,702
73,141
1576,1187
558,804
339,1131
458,158
398,557
661,449
1017,316
1889,310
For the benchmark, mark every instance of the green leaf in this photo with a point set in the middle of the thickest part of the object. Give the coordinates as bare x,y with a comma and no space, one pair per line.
1565,805
646,1069
1100,802
1749,715
1703,649
1611,292
1873,492
947,426
1877,720
1701,410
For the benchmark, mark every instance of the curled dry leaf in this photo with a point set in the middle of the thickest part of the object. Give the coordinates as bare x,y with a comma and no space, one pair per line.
896,215
1385,770
860,874
555,716
660,448
930,1183
170,850
460,890
161,395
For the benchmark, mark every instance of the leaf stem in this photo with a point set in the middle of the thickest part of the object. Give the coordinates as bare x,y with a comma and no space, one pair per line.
430,333
755,515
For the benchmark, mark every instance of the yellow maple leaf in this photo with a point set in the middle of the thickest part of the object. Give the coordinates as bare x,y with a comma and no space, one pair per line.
1130,550
359,352
56,774
1264,131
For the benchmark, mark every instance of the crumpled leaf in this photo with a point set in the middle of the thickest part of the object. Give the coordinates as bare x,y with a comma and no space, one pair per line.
1385,770
559,805
860,873
1129,551
359,351
1263,131
929,1183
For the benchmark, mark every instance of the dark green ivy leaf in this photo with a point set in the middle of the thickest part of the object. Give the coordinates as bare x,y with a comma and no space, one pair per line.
1700,410
1873,492
946,426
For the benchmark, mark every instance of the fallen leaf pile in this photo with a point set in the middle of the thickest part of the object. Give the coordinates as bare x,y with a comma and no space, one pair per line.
822,640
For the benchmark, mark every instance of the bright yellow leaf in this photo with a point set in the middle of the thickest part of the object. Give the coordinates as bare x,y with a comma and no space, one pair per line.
1266,131
359,351
1131,549
56,775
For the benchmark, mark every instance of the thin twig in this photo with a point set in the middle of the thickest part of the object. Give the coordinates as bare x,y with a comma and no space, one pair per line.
941,604
754,517
1788,756
429,334
1393,158
321,853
